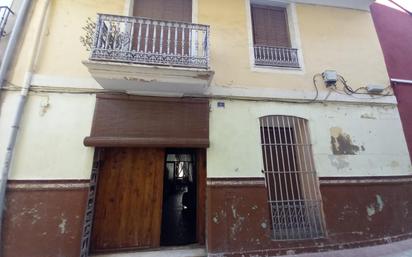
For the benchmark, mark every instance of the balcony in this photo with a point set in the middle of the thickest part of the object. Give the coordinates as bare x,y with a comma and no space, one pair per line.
141,54
276,56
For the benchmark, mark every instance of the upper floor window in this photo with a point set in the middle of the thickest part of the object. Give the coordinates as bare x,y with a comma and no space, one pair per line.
271,37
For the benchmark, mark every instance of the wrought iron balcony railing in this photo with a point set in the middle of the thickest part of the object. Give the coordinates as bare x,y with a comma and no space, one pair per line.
5,12
276,56
148,41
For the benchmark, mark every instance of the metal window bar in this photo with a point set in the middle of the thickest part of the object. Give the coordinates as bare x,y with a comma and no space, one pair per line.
148,41
276,56
5,12
292,185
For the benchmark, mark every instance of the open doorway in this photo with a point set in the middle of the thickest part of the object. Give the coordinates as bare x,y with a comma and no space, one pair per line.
149,198
179,198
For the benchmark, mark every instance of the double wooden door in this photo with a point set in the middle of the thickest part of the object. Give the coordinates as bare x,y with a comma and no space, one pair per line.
128,208
129,199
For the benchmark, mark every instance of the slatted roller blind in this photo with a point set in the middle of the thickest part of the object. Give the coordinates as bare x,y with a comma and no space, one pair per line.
270,26
171,10
167,40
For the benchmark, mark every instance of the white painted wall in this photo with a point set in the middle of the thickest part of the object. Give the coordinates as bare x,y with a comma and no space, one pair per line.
235,149
50,141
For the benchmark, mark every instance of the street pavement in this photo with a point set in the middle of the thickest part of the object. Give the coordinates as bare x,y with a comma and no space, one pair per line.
396,249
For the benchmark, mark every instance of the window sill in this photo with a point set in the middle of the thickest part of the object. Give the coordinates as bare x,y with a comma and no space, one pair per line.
278,69
315,239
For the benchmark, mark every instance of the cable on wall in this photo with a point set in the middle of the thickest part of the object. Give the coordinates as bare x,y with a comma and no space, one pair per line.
338,84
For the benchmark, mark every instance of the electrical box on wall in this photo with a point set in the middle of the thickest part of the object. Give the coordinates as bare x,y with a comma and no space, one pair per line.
375,89
330,77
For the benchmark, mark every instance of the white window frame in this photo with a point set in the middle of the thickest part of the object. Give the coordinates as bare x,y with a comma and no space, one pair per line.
293,34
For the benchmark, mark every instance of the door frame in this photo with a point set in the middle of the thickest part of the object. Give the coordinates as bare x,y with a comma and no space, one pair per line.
201,196
98,159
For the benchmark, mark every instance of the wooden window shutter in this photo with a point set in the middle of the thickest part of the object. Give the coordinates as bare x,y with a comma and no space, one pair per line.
270,26
173,10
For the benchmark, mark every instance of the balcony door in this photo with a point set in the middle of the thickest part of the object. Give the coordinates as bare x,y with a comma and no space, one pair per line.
153,37
170,10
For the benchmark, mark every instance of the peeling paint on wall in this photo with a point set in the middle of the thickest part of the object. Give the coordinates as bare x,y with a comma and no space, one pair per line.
237,224
375,207
44,105
62,225
394,164
342,143
264,225
368,116
217,217
339,162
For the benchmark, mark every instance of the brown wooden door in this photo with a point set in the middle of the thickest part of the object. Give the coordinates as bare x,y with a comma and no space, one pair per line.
129,198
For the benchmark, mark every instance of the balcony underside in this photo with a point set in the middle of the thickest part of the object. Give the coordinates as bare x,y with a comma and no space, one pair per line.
149,79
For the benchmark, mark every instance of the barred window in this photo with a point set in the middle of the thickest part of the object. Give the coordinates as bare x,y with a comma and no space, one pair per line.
292,185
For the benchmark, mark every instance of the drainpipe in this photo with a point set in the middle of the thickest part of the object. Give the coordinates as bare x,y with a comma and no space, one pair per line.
403,81
14,37
19,113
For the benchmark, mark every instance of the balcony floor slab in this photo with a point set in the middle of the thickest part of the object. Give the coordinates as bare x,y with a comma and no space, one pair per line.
150,79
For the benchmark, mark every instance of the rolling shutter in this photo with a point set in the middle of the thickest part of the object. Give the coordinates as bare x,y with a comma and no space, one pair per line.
270,26
133,121
171,10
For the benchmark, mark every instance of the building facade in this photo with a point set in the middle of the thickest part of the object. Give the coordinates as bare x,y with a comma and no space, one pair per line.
249,128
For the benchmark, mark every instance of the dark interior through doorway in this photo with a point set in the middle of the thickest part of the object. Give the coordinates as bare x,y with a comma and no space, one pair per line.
179,198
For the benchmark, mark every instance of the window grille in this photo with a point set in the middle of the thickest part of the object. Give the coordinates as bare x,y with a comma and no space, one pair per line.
292,185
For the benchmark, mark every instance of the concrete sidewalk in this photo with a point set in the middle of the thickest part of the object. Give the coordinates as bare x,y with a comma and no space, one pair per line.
397,249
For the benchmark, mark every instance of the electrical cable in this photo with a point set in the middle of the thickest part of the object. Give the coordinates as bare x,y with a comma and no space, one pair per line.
348,90
316,87
341,92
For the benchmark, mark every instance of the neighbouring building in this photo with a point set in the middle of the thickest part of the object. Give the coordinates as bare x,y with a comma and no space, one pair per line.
236,127
393,21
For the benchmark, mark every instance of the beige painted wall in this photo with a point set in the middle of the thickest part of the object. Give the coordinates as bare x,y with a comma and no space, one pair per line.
235,148
50,140
61,52
331,38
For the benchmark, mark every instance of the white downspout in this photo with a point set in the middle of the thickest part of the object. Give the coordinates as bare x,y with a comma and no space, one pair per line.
19,113
402,81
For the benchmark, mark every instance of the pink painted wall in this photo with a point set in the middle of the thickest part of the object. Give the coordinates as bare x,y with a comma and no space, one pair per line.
394,28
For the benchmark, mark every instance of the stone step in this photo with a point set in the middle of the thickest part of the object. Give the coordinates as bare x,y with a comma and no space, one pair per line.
161,252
